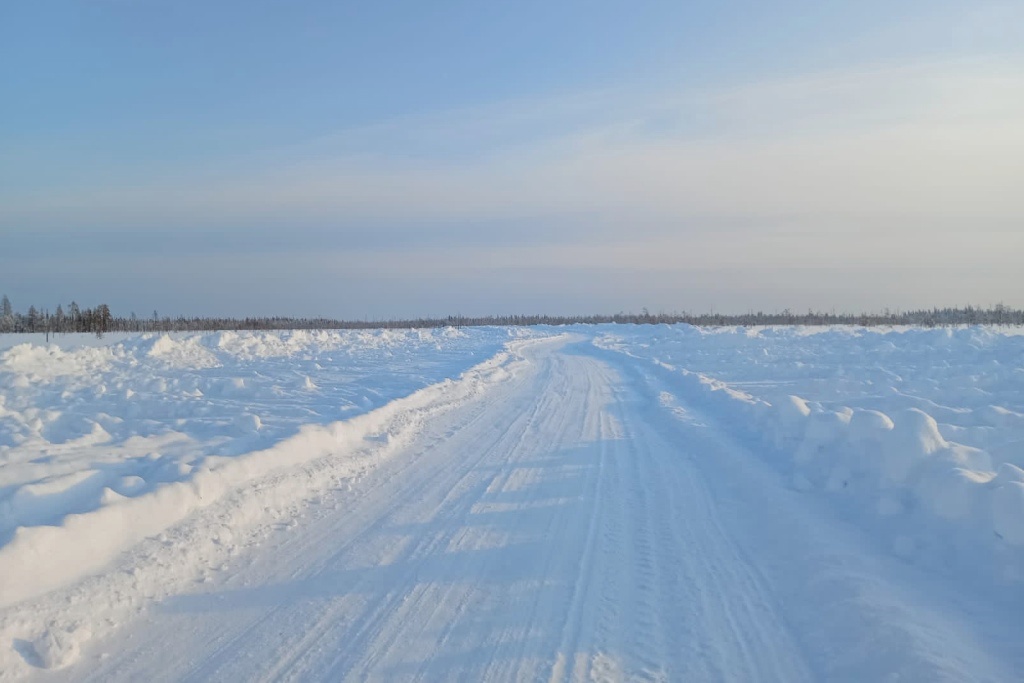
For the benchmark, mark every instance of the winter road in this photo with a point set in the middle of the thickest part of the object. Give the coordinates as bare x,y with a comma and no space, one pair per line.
576,522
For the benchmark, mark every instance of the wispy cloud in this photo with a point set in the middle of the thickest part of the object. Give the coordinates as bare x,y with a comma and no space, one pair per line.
878,144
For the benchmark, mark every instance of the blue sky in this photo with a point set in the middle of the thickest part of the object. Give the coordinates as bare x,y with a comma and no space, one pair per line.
408,158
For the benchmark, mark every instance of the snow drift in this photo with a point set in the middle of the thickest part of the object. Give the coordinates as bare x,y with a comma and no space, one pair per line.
923,430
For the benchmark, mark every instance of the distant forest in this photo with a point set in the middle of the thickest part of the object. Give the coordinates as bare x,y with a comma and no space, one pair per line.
100,320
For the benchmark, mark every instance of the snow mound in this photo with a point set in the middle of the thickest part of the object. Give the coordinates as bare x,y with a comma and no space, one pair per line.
187,352
920,427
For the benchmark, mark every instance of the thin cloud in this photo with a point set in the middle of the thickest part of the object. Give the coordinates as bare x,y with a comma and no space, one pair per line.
879,148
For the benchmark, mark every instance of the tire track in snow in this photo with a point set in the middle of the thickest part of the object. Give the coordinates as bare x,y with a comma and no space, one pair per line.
849,613
711,588
416,486
369,515
575,621
363,628
449,516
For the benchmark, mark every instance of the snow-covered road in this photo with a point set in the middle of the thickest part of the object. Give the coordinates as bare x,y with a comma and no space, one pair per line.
579,520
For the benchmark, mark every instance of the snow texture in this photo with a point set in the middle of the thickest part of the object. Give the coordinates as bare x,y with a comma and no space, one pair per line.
925,424
102,446
595,503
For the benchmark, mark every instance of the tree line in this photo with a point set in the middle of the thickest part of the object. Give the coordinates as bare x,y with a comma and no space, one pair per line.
99,320
96,320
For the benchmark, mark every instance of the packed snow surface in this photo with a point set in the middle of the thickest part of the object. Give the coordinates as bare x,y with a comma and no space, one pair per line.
594,503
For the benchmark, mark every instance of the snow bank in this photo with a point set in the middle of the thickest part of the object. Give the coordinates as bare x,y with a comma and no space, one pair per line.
41,558
102,445
919,425
83,576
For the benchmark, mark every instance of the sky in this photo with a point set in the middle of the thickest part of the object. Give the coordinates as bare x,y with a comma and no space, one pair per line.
405,158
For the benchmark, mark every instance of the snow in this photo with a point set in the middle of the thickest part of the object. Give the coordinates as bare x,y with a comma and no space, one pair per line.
610,502
101,446
910,421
